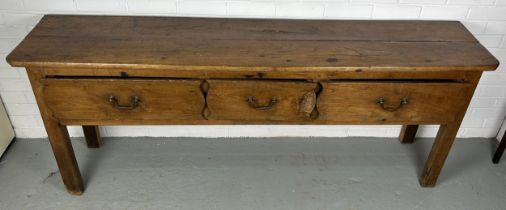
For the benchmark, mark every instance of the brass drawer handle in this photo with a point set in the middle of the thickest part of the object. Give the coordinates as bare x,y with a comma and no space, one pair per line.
253,103
115,104
381,102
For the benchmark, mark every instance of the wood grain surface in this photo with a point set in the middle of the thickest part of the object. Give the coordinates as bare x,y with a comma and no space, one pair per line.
227,100
358,101
89,99
291,45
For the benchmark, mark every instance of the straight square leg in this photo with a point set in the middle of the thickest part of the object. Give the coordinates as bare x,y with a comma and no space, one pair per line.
408,133
65,158
92,136
437,156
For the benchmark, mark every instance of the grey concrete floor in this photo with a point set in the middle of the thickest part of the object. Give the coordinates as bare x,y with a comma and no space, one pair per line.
242,173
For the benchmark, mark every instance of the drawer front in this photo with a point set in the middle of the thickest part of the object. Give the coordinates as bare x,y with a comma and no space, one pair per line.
116,99
242,100
392,102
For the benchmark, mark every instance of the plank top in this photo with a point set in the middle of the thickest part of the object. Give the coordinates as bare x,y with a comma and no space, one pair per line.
216,43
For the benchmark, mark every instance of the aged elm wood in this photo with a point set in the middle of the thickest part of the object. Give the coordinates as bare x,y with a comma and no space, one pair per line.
117,70
358,101
141,42
259,73
280,101
92,136
443,142
256,29
500,150
408,134
91,98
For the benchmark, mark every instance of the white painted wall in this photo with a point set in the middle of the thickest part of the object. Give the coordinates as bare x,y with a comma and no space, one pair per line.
486,19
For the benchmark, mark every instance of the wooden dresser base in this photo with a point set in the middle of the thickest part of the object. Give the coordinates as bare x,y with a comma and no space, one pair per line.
69,169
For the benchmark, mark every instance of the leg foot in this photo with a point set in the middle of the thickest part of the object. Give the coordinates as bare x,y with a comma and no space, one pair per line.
77,193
